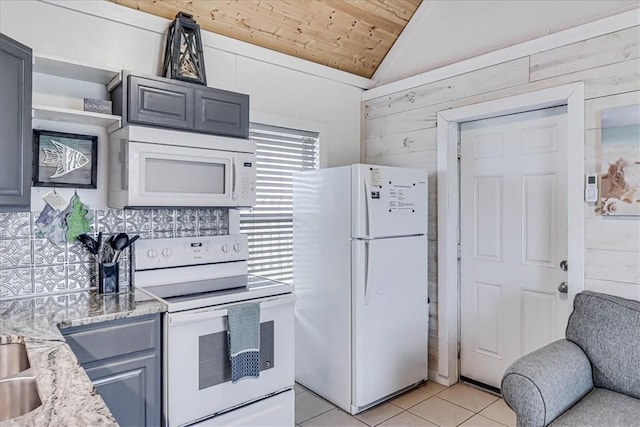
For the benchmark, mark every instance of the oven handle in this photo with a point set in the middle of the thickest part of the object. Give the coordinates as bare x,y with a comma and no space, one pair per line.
221,311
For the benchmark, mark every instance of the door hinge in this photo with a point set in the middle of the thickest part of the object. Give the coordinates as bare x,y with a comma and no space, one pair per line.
459,150
458,350
459,251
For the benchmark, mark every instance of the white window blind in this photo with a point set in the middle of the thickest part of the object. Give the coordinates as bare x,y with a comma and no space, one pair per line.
269,224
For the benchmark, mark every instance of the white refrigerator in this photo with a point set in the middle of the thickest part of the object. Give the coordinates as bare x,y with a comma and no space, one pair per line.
360,275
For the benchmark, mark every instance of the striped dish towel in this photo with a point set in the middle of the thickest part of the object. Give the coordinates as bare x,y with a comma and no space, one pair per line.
244,340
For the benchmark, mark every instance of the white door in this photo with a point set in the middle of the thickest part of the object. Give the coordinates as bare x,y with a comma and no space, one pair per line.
391,317
388,201
513,236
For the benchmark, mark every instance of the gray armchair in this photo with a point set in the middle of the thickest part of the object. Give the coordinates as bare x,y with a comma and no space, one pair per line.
592,378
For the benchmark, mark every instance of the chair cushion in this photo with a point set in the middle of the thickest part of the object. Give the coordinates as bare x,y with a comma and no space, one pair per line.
607,329
602,407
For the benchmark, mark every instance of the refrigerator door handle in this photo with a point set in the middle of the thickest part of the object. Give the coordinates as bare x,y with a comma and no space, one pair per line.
367,209
367,272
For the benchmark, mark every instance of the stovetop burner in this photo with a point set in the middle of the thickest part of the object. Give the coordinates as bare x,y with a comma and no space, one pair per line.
204,293
198,288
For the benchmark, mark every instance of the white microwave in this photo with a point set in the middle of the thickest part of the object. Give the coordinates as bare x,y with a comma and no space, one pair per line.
150,167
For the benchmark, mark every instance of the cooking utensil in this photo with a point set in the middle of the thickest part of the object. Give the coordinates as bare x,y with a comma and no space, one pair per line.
99,246
108,253
118,244
130,242
89,243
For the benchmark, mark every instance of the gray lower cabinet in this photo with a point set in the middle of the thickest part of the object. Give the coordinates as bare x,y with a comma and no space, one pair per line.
161,102
15,125
122,359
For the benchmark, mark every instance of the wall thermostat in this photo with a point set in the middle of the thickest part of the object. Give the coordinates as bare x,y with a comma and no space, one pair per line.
591,189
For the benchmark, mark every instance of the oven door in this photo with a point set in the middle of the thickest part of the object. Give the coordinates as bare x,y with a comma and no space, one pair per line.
197,368
167,175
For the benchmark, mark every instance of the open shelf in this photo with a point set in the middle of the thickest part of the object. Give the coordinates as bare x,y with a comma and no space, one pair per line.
49,65
73,70
44,112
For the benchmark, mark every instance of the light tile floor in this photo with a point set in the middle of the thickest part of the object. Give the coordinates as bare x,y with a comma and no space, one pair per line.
427,405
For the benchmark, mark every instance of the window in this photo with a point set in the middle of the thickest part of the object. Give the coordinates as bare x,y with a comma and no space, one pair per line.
269,224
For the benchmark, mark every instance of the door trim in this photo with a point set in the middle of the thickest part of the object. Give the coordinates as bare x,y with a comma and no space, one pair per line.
448,125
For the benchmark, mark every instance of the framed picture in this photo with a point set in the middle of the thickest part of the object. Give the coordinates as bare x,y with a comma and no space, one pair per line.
64,159
620,157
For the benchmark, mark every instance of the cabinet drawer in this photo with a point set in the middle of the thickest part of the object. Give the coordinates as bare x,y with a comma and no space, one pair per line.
161,104
221,112
115,338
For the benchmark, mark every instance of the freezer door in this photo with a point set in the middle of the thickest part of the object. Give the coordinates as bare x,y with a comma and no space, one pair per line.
388,201
391,317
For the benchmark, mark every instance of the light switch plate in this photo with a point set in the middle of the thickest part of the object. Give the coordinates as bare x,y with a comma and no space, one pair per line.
591,188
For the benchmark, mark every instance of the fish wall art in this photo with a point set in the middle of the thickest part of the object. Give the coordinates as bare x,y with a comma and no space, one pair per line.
64,159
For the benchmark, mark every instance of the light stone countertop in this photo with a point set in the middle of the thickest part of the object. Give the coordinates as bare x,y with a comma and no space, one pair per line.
68,396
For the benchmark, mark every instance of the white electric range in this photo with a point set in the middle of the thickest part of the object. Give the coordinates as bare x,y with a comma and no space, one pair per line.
198,278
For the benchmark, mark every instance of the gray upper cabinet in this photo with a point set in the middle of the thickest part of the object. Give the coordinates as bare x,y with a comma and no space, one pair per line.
222,112
15,125
160,102
122,359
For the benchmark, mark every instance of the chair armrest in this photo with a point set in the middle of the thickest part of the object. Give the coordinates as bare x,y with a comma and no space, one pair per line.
542,385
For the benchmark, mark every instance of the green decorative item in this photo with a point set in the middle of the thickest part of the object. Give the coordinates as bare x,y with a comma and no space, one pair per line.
51,225
77,222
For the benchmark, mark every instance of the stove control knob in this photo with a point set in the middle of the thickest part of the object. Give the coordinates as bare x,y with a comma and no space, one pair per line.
166,252
225,248
236,247
152,253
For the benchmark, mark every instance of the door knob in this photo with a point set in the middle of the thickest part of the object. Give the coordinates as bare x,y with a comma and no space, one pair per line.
563,288
564,265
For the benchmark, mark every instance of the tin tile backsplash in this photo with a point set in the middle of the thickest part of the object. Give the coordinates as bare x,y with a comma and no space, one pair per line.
32,265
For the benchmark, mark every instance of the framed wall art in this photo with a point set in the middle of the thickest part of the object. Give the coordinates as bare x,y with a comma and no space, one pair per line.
620,177
64,160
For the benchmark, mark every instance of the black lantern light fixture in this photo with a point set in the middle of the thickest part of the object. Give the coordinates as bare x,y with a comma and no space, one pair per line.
183,58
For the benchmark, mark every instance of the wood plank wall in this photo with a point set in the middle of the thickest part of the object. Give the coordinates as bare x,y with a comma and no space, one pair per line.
400,130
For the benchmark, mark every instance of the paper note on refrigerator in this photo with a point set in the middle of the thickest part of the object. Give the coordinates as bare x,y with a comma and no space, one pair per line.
400,197
376,177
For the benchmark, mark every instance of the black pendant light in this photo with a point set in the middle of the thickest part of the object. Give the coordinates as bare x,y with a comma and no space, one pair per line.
183,57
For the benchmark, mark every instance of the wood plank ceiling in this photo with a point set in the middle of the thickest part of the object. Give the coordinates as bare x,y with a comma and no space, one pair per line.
349,35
